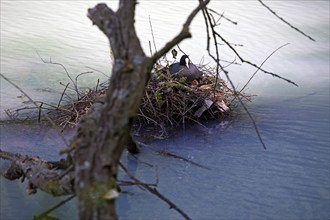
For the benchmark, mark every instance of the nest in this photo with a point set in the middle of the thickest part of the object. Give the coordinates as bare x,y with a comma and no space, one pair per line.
171,102
168,102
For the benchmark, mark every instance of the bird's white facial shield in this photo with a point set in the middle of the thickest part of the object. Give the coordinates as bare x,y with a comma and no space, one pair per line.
187,62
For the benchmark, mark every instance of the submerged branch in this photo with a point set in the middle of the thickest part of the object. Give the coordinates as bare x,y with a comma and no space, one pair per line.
154,191
169,154
44,215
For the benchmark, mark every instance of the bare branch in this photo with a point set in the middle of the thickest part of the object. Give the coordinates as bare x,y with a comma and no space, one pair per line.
153,37
41,174
155,192
223,16
261,66
36,105
44,215
184,33
98,71
253,64
59,102
211,25
169,154
282,19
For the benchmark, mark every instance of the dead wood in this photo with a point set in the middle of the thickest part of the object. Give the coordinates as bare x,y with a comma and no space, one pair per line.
44,175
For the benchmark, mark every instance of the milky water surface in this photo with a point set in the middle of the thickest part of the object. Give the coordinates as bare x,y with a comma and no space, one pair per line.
289,180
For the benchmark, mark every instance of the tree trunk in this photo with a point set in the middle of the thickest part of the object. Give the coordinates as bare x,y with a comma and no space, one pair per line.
104,133
90,169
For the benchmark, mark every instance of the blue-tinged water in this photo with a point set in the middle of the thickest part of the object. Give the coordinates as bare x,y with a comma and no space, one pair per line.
288,180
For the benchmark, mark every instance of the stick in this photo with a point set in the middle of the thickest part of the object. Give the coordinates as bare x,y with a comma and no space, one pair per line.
252,64
59,102
97,71
39,113
36,105
154,191
261,66
222,16
169,154
184,33
67,73
152,34
282,19
44,214
216,59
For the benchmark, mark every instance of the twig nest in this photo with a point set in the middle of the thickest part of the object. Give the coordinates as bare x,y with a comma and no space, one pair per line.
169,101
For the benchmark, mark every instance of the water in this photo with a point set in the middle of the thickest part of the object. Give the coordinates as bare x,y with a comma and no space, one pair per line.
289,180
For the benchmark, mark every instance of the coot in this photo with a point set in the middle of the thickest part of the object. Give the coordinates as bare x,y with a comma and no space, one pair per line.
186,69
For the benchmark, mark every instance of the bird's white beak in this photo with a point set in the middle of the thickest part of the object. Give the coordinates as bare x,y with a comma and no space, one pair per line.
187,62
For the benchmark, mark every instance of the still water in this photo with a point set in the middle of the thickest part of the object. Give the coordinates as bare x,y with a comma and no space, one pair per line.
289,180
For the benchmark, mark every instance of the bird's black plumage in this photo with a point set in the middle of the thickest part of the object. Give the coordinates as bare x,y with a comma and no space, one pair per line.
186,69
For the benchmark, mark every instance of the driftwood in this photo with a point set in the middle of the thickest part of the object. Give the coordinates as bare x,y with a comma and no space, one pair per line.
51,177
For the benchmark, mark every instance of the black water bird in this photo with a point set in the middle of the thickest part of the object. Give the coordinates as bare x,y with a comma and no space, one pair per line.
186,69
